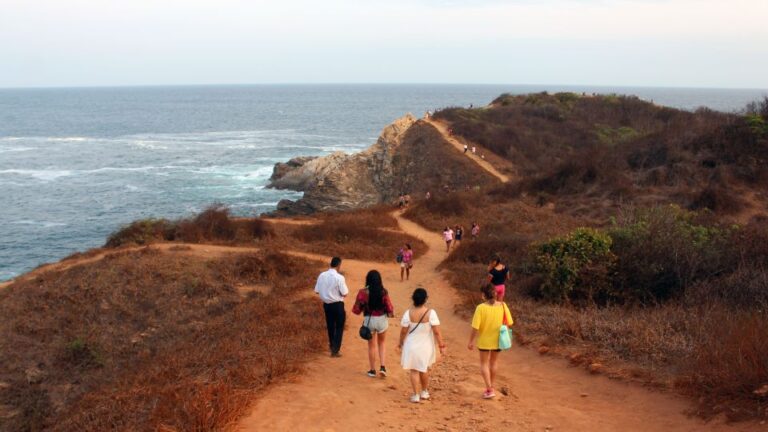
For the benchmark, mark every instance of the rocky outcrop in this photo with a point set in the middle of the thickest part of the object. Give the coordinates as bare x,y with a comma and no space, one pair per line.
410,156
285,175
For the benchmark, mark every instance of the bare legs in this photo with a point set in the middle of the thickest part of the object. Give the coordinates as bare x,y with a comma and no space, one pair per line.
488,367
419,381
376,344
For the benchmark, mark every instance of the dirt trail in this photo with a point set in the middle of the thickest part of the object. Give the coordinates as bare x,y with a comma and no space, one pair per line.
544,393
484,164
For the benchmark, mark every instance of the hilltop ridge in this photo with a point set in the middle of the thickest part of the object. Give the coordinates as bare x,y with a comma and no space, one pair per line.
411,156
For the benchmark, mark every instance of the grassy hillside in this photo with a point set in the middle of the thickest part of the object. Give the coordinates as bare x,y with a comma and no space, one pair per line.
636,237
589,153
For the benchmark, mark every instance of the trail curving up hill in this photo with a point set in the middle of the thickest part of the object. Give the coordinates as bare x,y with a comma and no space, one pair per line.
544,393
482,163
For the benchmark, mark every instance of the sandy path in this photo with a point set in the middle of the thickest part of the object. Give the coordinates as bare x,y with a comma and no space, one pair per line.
544,393
484,164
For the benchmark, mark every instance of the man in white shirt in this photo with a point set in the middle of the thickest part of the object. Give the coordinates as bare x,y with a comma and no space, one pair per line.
332,288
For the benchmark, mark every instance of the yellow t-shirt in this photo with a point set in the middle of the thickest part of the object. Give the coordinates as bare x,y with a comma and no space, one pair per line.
487,321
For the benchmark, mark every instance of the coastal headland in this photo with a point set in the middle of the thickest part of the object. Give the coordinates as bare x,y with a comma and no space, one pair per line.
636,234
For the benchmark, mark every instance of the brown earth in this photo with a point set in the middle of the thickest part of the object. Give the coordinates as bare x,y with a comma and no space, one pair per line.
543,393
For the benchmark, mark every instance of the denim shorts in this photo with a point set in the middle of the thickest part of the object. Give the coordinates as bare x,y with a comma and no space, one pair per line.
377,324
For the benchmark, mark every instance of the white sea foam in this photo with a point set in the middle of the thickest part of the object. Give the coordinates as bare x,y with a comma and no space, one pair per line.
15,149
42,224
44,175
150,145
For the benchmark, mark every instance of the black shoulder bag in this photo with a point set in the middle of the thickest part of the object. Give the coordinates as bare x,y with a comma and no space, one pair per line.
365,332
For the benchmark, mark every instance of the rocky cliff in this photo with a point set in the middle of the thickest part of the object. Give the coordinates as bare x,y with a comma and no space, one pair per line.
410,156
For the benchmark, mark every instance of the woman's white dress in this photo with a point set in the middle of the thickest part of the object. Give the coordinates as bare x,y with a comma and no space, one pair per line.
419,349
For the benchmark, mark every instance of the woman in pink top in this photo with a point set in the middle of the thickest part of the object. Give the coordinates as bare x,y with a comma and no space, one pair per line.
448,237
407,261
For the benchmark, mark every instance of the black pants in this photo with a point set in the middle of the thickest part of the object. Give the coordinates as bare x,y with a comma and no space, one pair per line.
334,320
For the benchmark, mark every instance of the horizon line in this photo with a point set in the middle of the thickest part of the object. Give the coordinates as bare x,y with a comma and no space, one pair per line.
276,84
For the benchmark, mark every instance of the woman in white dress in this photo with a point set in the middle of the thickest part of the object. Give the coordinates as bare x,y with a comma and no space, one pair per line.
420,330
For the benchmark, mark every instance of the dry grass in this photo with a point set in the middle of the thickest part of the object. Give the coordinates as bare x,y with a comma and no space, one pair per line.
588,154
357,235
152,341
213,225
719,323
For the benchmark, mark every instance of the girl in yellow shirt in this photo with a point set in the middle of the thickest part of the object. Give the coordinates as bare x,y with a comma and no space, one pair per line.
488,318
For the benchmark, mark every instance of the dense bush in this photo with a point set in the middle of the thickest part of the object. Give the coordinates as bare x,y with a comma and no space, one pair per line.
575,267
142,232
649,255
214,224
663,250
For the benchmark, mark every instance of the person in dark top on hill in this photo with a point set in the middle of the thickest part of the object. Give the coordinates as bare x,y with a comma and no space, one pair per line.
498,274
458,234
374,303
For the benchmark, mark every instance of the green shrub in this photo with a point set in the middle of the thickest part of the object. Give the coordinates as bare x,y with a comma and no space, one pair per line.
663,250
757,124
576,267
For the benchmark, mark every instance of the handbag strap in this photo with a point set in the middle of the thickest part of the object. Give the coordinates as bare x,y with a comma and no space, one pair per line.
504,309
417,324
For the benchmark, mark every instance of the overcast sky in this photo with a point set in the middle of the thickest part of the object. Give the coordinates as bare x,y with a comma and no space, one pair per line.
689,43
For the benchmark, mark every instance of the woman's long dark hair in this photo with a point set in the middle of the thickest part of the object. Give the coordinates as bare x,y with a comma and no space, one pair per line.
375,291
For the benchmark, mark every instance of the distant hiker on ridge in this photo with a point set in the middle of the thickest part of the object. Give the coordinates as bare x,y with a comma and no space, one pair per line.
332,288
448,237
405,258
475,231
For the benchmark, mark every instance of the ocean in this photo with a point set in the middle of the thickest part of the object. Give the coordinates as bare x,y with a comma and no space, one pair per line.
78,163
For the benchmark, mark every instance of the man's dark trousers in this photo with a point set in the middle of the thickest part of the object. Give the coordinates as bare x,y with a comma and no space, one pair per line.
334,320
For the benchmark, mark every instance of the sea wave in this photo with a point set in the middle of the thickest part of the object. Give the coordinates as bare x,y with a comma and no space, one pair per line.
15,149
43,224
44,138
44,175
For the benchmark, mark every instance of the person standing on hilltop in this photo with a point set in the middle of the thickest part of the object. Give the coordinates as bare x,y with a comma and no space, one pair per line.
466,147
498,274
427,196
486,327
331,286
374,303
448,237
406,261
475,230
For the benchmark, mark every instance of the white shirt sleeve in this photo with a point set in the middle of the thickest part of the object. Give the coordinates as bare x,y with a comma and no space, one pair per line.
343,286
317,284
433,319
406,321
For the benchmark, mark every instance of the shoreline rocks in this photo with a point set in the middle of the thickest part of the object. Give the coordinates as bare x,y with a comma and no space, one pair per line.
410,156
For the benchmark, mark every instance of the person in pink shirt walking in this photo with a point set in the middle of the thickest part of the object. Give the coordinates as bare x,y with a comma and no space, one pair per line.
406,261
448,237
